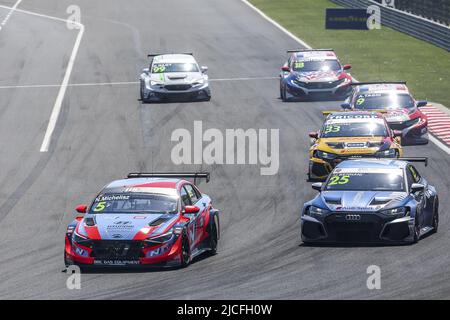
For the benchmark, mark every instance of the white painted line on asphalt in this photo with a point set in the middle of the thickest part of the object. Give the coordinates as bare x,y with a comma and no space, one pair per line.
120,83
276,24
62,90
303,43
439,144
13,8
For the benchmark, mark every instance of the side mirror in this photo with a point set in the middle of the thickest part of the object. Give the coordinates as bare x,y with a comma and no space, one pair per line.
422,103
313,135
285,69
346,106
317,186
81,208
347,66
191,209
396,133
204,69
146,70
417,187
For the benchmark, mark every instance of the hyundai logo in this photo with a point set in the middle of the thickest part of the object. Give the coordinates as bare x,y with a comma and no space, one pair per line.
353,217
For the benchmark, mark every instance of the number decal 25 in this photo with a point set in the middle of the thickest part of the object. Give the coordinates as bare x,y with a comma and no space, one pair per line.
339,180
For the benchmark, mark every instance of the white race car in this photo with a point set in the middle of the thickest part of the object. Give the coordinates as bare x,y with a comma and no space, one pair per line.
174,76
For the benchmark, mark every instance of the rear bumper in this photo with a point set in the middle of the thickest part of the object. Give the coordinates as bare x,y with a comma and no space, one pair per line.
412,134
371,228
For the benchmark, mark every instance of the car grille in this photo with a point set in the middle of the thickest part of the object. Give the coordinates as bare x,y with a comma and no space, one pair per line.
112,249
177,87
367,229
320,85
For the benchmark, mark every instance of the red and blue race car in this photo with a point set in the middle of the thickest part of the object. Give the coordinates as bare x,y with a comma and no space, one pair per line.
314,73
147,219
394,100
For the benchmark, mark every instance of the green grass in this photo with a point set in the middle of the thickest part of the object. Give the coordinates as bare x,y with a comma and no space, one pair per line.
383,54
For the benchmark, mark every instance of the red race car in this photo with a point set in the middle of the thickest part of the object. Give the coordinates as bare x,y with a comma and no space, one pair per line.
147,219
400,109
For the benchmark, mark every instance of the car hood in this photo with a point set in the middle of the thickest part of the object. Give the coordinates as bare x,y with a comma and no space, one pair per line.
177,77
353,145
318,76
362,200
124,226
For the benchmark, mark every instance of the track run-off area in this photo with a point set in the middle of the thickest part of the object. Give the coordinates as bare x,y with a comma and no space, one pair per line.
102,132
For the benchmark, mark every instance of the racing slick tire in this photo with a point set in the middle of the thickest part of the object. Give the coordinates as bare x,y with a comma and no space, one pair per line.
435,223
283,94
185,251
141,91
212,239
416,230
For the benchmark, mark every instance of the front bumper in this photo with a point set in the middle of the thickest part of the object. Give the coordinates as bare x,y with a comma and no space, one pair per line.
317,88
370,228
157,93
108,253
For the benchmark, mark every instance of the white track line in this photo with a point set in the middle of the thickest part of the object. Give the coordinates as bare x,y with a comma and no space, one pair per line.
62,90
120,83
303,43
13,8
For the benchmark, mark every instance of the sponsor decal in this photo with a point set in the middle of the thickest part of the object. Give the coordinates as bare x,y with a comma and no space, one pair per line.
112,197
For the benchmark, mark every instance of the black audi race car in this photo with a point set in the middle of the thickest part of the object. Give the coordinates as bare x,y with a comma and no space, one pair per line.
371,200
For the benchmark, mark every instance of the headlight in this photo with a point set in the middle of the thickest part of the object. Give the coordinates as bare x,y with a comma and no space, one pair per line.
159,239
394,212
198,82
325,155
81,240
298,83
155,83
390,153
315,211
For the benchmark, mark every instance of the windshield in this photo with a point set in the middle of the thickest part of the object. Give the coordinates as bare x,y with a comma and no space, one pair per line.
384,101
389,181
174,67
324,65
354,129
125,203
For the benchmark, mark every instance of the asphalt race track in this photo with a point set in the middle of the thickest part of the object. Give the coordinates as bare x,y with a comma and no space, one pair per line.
104,132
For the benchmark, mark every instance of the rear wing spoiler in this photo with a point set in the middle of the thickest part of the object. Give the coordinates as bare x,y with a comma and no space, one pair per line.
328,112
194,175
307,50
407,159
160,54
415,159
377,82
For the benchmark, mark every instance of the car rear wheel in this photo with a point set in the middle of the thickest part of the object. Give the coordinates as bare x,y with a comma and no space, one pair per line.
213,239
435,224
185,251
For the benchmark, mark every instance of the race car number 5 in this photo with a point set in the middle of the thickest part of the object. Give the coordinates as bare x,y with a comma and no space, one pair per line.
100,206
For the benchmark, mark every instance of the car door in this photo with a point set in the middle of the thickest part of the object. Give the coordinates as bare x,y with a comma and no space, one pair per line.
419,196
200,217
427,196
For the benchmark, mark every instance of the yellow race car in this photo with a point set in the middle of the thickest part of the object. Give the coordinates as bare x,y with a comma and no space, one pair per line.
351,135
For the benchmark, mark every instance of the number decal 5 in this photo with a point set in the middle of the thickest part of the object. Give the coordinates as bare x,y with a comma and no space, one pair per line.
100,206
